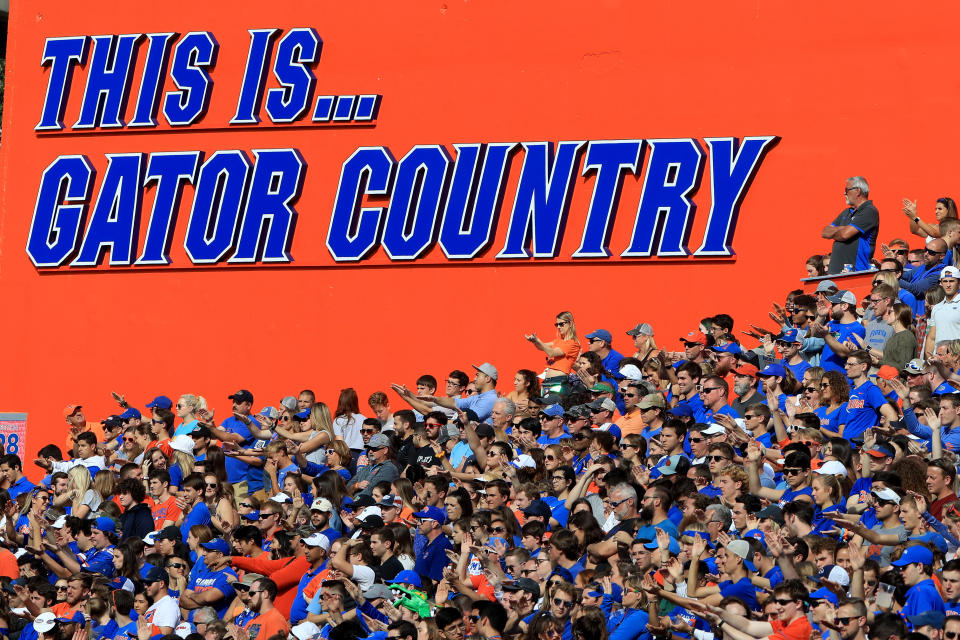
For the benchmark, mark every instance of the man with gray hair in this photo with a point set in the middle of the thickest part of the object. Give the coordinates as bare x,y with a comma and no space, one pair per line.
854,232
623,499
504,411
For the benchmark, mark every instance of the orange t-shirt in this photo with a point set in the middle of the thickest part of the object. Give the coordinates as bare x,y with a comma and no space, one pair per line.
799,629
167,510
630,423
564,363
64,610
8,564
266,625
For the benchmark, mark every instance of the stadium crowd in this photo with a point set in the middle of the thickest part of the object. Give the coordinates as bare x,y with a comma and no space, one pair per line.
802,486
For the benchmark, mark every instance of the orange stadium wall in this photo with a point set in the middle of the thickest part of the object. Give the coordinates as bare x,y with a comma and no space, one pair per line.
822,91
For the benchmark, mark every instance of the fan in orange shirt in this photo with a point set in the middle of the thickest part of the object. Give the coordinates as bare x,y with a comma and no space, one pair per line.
269,621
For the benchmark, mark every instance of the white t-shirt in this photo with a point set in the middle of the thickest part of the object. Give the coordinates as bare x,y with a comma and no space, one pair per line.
165,612
348,428
363,576
945,316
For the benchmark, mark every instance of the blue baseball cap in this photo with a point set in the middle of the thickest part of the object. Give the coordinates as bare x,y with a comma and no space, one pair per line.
825,594
668,466
601,334
408,577
217,544
928,619
674,546
554,411
933,538
681,411
790,335
756,534
773,369
646,533
563,573
107,525
730,347
303,415
916,553
160,402
131,412
432,513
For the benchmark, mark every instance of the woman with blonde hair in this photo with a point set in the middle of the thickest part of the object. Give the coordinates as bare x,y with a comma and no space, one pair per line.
317,432
561,352
187,408
84,500
644,342
104,483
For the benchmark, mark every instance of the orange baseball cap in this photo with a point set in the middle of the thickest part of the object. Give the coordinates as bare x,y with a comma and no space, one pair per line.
746,369
70,409
695,337
888,372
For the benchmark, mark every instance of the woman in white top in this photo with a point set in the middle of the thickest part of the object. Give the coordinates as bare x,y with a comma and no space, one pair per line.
348,419
83,499
317,433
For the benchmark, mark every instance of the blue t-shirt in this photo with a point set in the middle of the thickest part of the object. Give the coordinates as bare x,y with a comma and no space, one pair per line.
207,580
922,597
742,589
798,369
863,410
433,558
842,332
20,486
199,514
790,495
833,419
237,469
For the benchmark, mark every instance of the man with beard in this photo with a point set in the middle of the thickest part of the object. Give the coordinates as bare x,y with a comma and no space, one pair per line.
745,388
654,508
839,331
320,512
851,620
623,499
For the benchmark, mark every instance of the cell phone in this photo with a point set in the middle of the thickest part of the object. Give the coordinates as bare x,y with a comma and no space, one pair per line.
885,595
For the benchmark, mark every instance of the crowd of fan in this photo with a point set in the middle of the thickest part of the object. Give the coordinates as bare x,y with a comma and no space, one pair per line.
799,487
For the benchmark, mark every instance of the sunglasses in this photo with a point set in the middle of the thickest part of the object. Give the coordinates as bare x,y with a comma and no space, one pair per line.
566,604
631,395
473,619
211,485
783,601
264,516
716,458
901,252
559,324
176,565
846,621
809,389
793,471
367,431
708,389
247,505
549,457
63,588
696,440
498,529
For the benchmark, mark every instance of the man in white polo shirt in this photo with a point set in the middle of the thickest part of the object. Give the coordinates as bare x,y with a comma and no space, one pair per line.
945,316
